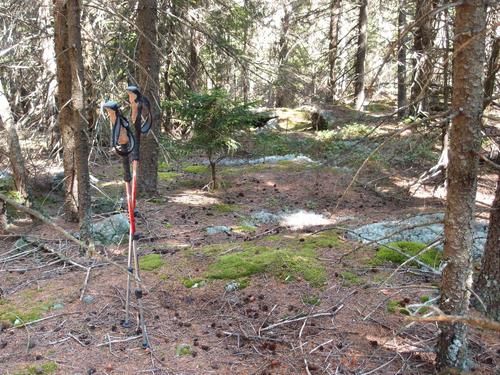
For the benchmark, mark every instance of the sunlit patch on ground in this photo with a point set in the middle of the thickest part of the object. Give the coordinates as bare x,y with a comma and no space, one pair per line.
303,219
193,198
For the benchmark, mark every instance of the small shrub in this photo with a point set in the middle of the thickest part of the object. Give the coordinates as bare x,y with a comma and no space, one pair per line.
213,119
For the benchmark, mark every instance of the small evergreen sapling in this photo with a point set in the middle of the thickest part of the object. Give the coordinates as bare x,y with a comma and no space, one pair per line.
214,121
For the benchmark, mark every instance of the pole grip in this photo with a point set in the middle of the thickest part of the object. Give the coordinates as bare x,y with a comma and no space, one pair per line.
127,176
137,128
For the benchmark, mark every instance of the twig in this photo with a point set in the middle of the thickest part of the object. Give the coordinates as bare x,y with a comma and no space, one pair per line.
109,342
59,254
76,339
476,322
85,283
379,367
252,337
303,318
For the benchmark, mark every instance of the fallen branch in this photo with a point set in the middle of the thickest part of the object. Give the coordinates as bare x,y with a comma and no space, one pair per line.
302,318
119,340
475,322
42,218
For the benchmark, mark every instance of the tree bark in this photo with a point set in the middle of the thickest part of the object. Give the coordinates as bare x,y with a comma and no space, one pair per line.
488,282
401,60
422,48
335,13
359,67
492,70
65,112
149,82
282,99
465,142
16,158
48,59
194,61
78,123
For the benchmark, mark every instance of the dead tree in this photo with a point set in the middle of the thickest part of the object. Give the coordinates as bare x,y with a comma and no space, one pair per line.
465,143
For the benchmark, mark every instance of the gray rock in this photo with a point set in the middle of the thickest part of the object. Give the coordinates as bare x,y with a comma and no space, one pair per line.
112,230
272,159
88,299
218,229
57,306
423,233
232,286
263,217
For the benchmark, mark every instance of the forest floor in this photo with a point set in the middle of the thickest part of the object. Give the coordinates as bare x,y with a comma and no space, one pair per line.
260,299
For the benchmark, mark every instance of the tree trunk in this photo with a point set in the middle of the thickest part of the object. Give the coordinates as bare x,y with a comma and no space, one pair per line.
402,110
65,112
423,42
465,142
149,82
492,70
78,123
359,67
244,73
3,217
446,63
194,61
48,59
281,99
167,84
14,149
335,11
488,282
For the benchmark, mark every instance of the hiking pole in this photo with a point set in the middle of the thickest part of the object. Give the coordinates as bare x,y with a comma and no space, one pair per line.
141,118
125,143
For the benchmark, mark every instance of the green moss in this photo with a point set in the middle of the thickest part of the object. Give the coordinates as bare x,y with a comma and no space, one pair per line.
43,369
183,349
163,165
167,176
245,228
151,262
193,282
351,278
391,306
167,225
431,257
23,313
224,207
196,169
283,263
327,239
424,299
